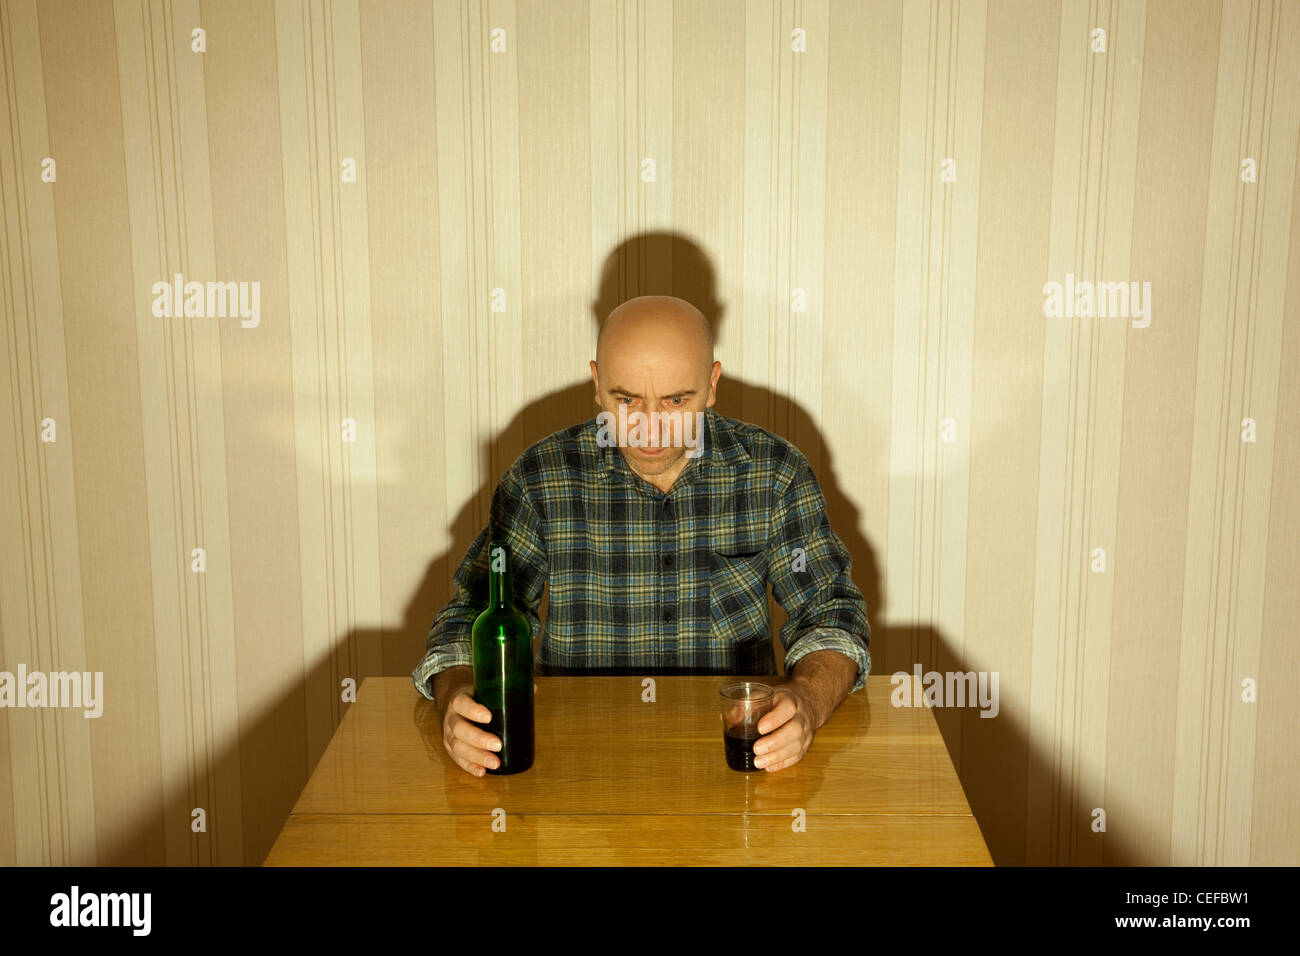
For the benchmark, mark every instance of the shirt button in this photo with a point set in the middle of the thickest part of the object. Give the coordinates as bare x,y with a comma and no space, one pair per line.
668,560
668,616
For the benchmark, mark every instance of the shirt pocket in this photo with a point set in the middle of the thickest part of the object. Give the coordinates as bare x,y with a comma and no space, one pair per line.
738,596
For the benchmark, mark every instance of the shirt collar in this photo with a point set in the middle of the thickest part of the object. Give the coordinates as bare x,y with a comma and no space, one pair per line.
722,451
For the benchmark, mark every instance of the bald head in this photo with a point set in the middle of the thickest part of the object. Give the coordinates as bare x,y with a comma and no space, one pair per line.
671,322
655,355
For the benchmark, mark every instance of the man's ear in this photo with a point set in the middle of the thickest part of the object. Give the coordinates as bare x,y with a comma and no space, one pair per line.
713,385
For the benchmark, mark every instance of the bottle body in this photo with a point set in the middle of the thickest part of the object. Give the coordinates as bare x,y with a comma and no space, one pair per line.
502,647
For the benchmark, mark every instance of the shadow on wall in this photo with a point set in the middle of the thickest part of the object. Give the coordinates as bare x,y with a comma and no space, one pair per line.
655,263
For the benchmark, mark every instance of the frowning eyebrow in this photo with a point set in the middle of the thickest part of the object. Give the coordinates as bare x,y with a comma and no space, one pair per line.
620,390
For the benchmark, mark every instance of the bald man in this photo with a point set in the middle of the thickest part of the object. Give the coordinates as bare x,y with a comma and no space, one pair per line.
658,541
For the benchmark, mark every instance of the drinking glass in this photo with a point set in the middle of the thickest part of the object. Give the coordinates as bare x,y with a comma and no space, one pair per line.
743,704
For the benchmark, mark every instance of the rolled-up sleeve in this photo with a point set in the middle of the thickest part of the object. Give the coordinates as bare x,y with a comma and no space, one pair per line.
809,568
514,521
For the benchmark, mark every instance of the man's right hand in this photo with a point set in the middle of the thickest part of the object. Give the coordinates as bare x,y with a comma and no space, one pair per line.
472,747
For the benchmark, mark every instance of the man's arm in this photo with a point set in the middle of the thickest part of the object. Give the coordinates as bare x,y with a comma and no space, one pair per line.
825,634
516,522
827,676
809,568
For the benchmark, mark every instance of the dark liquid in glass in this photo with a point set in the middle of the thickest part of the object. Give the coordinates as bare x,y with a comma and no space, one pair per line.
515,728
739,741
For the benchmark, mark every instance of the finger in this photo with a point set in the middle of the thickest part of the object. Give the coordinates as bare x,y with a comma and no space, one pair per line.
781,739
476,757
739,714
780,749
460,760
778,715
775,757
468,767
476,737
468,707
782,764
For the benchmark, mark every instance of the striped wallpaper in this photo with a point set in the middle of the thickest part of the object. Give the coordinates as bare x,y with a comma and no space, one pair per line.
405,219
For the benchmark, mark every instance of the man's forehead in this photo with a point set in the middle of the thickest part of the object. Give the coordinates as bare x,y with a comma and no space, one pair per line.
670,377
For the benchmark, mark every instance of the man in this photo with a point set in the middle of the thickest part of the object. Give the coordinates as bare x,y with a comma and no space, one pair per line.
658,558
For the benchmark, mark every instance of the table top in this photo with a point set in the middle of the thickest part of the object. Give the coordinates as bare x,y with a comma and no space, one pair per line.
622,780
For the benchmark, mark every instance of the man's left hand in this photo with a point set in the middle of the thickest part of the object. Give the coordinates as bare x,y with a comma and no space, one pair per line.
787,728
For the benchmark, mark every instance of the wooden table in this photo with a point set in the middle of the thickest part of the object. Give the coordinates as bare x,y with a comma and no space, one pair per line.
618,781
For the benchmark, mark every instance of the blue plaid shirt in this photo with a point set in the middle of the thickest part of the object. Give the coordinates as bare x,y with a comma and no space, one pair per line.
643,582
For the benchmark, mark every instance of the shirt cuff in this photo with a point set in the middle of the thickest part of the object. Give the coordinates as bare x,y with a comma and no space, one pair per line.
438,660
832,639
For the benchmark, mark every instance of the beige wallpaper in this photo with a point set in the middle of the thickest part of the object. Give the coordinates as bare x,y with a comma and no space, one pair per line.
405,219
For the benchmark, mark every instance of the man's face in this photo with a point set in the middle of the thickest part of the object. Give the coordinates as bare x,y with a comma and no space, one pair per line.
647,375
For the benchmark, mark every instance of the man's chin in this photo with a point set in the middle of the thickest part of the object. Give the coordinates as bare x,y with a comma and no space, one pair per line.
667,456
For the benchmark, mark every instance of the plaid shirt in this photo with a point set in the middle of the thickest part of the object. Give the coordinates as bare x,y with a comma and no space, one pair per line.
643,582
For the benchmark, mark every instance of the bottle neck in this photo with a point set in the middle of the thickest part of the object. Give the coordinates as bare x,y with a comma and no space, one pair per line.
499,595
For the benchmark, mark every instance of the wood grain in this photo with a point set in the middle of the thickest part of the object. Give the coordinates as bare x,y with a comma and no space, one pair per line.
552,839
615,771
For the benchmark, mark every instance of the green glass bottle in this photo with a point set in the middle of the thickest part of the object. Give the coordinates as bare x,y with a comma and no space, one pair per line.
502,645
